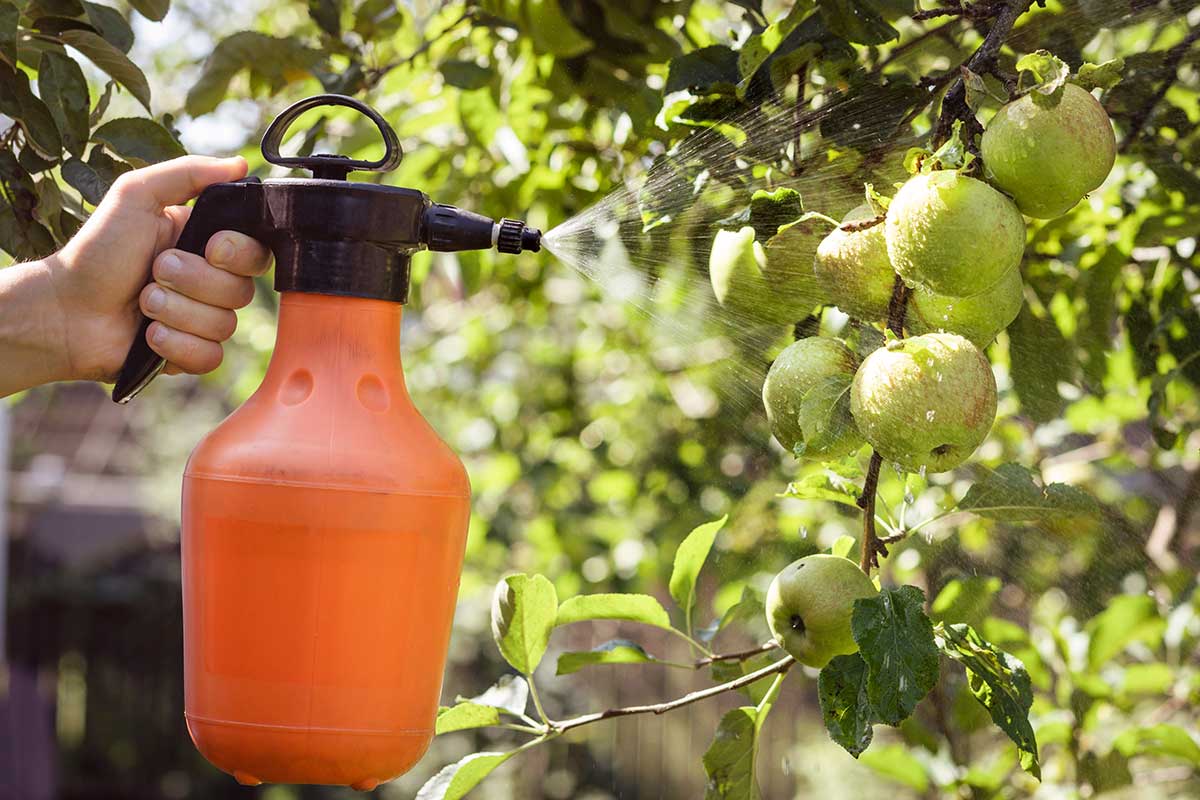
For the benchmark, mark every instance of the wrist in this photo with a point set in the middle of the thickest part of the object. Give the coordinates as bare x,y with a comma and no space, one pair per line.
33,334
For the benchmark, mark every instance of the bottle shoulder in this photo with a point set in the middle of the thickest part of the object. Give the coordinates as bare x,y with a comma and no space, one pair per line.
380,444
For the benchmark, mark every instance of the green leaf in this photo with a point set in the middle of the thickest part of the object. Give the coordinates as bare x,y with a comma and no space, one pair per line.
465,74
21,235
18,101
729,760
616,651
153,10
842,546
551,32
726,671
712,69
65,92
857,21
1010,494
110,24
465,716
327,14
138,140
1104,76
1044,74
111,60
101,106
965,599
509,694
1126,619
771,210
845,705
1000,683
630,607
9,16
761,46
455,780
895,762
1170,741
689,558
85,180
895,638
825,410
273,62
523,612
828,484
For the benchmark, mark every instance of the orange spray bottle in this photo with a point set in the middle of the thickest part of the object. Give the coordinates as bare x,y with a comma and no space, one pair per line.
324,521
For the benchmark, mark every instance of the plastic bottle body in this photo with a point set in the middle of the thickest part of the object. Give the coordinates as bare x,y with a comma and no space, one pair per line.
324,524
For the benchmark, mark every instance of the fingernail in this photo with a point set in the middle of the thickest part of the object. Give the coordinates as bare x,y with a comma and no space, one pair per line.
159,335
224,252
156,300
169,265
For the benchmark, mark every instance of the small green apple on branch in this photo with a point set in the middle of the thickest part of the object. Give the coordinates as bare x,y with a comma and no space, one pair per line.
937,266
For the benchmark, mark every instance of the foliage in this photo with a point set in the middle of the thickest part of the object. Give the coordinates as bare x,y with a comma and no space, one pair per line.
598,437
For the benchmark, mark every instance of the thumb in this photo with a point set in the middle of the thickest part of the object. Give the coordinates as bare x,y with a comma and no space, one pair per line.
176,181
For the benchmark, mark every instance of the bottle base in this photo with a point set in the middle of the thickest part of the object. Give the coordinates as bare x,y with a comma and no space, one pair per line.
254,754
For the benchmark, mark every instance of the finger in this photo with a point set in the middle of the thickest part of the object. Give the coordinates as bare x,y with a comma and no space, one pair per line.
176,181
185,314
188,352
194,277
237,253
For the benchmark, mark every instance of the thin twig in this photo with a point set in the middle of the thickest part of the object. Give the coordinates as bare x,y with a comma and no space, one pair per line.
740,655
781,666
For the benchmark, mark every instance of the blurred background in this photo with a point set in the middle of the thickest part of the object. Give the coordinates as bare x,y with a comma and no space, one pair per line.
599,427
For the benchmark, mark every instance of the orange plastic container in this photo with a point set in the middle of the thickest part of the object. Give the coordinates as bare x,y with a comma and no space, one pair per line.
323,531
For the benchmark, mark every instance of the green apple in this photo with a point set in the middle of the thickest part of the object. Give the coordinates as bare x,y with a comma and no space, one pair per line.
809,605
926,402
853,269
749,285
952,234
1048,156
978,318
802,366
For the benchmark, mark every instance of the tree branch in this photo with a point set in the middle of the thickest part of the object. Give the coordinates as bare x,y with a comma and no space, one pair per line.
781,666
954,105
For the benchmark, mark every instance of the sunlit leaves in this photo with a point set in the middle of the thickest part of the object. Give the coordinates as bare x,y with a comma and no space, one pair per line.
455,780
524,609
689,558
1010,494
629,607
509,694
465,716
1127,619
835,482
1169,741
615,651
271,61
1044,74
729,760
1101,76
1000,683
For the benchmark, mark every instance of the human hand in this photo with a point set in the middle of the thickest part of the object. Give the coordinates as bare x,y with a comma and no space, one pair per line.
99,277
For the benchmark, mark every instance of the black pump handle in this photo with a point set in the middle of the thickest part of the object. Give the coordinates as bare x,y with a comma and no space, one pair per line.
235,206
330,166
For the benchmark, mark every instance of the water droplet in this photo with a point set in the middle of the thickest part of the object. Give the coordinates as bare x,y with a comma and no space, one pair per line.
929,415
786,766
803,531
921,471
908,496
928,534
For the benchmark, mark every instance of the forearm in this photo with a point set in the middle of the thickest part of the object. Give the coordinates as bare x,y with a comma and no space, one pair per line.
32,332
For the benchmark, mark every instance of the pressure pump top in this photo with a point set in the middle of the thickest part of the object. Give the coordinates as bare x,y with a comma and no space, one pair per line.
330,235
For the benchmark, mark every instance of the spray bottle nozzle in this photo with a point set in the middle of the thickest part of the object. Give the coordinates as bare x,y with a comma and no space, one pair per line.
449,229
